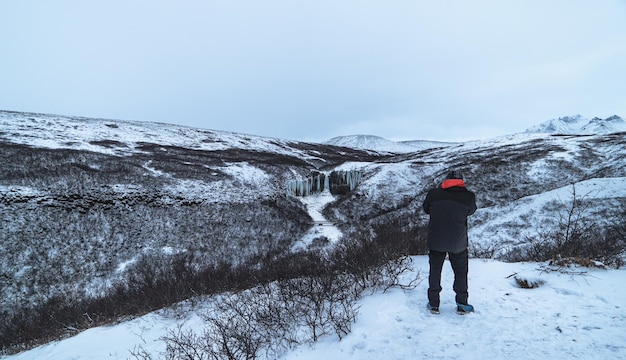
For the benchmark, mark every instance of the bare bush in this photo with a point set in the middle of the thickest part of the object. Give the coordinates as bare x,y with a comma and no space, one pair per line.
270,318
290,311
483,251
525,283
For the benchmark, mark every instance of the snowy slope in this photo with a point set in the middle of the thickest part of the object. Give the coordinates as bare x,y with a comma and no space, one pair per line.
570,316
123,137
509,224
578,124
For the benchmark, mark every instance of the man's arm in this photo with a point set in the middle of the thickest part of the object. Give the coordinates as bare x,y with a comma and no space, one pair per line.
426,204
473,205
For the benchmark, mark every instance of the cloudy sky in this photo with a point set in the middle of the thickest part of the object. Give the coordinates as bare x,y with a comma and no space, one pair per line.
312,70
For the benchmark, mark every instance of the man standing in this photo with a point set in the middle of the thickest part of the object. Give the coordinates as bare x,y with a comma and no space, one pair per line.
449,206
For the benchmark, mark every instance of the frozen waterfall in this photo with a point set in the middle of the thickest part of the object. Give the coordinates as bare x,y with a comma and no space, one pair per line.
337,182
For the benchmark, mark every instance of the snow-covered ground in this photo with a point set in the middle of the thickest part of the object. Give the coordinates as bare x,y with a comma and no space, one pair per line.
570,316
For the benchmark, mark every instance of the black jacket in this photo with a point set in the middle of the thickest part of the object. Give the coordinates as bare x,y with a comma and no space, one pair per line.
449,208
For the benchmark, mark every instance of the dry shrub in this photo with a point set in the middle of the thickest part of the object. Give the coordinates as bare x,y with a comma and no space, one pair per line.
525,283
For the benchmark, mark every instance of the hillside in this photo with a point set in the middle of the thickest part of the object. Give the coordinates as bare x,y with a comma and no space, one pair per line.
89,202
567,125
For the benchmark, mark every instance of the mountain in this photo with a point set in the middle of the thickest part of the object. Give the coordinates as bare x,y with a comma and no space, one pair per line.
377,143
604,126
88,203
580,125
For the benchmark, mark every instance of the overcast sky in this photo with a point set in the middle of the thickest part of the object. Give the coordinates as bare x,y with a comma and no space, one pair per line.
313,70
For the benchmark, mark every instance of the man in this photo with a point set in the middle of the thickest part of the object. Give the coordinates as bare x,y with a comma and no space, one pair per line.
449,206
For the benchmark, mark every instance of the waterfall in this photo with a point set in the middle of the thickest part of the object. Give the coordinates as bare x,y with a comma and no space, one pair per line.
337,182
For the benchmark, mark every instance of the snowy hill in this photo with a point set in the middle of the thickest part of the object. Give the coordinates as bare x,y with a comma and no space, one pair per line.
427,144
370,142
377,143
117,137
130,199
580,125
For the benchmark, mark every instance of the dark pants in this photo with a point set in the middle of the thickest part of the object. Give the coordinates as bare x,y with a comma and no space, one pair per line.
459,262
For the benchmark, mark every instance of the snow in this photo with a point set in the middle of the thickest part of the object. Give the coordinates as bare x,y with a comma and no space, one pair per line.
570,316
19,191
321,227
